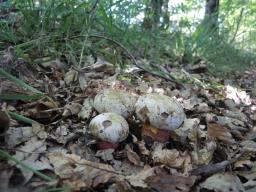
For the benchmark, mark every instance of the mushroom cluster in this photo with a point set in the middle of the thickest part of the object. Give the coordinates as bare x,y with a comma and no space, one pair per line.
159,114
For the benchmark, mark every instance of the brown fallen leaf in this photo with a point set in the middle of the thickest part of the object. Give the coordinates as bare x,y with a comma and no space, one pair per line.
79,173
172,158
106,154
224,182
71,109
203,155
70,77
170,183
44,111
220,132
187,129
29,154
249,179
208,170
132,156
139,179
86,110
141,145
237,95
6,185
7,87
248,146
15,136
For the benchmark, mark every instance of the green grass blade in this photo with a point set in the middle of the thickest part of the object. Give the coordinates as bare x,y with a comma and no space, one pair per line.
21,97
6,155
18,81
59,189
18,117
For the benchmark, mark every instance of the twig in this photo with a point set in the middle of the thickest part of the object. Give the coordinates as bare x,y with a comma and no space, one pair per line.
134,60
208,170
90,164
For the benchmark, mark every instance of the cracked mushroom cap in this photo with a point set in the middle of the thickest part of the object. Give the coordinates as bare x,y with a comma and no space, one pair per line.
109,127
160,111
117,101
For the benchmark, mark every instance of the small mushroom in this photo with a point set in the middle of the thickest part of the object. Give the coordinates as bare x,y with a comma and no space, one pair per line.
109,129
117,101
160,115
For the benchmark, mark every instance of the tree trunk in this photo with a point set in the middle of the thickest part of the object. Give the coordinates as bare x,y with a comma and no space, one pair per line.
166,15
153,14
211,14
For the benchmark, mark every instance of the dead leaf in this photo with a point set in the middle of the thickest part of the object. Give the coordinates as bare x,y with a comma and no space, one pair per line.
219,132
62,134
86,110
29,154
190,103
143,88
224,182
83,82
204,155
18,135
9,87
232,123
172,158
202,108
237,96
44,111
249,178
170,183
141,145
70,77
7,186
71,109
248,146
139,179
105,155
236,115
187,129
242,164
80,173
132,156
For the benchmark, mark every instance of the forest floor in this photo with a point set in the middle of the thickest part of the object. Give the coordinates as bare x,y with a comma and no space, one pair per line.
213,150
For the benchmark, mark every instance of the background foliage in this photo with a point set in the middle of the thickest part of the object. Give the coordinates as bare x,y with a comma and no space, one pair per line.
172,34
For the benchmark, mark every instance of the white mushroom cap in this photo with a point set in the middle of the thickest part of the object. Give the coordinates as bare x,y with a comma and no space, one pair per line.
109,127
160,111
117,101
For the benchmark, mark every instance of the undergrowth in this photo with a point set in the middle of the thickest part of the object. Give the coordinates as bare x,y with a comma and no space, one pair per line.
66,28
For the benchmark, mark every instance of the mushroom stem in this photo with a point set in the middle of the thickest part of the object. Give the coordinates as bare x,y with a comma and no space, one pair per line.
107,145
154,134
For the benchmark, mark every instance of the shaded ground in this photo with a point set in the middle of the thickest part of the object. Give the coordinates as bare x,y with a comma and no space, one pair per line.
213,150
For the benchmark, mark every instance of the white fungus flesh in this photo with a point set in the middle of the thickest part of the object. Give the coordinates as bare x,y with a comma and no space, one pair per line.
160,111
109,127
117,101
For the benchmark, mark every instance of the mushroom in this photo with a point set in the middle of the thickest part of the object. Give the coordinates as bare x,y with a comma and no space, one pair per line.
109,129
117,101
160,115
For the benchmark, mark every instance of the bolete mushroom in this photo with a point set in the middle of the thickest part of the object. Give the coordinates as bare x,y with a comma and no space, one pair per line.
160,115
117,101
109,129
